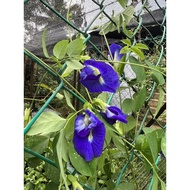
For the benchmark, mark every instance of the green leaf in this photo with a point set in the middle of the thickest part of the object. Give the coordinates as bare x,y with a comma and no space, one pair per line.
156,75
163,186
46,124
37,144
60,49
104,96
123,127
125,186
128,105
125,49
160,100
107,27
68,99
75,47
140,98
119,143
131,123
127,42
44,44
141,46
128,33
33,162
139,70
163,145
138,52
107,168
152,140
83,167
69,126
74,64
67,72
61,146
128,14
155,183
139,141
51,186
51,172
123,3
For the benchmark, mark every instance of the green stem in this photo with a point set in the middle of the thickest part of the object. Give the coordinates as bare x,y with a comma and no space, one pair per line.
68,27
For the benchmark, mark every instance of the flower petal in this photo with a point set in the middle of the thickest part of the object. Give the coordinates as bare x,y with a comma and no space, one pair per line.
80,126
113,113
98,134
115,49
83,147
89,141
107,80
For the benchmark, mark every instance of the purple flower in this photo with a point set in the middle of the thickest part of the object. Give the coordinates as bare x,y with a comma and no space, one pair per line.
113,113
115,49
99,76
89,135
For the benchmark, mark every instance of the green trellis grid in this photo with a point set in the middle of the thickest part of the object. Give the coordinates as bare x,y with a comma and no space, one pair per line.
61,85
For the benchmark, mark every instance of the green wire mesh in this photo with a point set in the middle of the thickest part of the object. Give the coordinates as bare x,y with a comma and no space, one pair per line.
143,179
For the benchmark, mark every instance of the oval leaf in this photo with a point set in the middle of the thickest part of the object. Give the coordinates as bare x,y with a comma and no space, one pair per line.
75,47
48,122
74,64
60,49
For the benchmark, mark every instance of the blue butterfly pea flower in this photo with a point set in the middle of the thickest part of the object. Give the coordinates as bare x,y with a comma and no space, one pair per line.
99,76
112,113
89,135
115,49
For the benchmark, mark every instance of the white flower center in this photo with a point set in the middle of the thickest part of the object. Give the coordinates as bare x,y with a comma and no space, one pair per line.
90,137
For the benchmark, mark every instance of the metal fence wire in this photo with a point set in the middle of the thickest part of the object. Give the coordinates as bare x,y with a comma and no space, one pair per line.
63,19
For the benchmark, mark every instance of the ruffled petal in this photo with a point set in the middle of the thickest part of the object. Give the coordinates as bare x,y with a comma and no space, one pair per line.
80,126
106,81
89,141
115,49
98,134
83,147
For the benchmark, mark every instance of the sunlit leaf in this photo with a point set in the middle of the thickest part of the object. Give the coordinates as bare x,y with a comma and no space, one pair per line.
128,14
74,64
123,3
108,27
61,146
138,52
127,41
141,46
68,99
47,123
60,49
75,47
